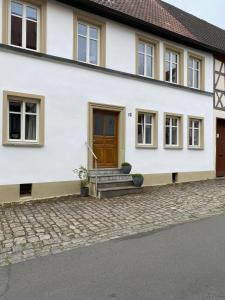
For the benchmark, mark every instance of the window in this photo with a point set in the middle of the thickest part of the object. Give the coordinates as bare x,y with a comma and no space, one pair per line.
195,133
145,59
194,73
172,66
173,131
146,129
23,119
88,43
24,25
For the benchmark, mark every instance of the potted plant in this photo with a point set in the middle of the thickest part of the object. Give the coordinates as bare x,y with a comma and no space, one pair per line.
126,168
138,179
82,174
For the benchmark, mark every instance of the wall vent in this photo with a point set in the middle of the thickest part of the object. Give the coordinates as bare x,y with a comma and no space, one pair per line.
174,177
26,190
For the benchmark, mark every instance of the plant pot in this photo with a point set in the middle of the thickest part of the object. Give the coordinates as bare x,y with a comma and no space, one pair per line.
126,169
84,191
138,181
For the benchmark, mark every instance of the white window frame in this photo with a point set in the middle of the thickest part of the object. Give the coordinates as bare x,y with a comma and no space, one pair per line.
193,128
170,61
171,126
24,24
23,114
144,129
145,58
192,69
88,38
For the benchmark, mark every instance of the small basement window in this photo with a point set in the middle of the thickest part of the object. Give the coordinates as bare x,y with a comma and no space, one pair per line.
174,177
25,190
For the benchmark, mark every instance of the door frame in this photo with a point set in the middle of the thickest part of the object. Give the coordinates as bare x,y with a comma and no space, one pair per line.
121,129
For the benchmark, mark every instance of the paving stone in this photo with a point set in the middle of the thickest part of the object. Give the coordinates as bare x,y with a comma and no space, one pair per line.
52,226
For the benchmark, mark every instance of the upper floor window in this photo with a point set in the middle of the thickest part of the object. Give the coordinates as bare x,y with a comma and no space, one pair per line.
194,73
145,59
88,41
24,25
172,66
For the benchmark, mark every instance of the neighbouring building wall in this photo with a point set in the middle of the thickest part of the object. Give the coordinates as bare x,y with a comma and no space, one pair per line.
67,90
219,82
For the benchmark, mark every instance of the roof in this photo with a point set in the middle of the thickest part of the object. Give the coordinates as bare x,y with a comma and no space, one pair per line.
166,17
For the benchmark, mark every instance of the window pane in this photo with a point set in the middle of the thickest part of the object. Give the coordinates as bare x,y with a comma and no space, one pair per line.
15,126
149,50
82,48
14,106
16,8
93,32
190,77
196,124
140,134
190,63
196,137
141,64
196,64
167,121
174,57
148,119
196,81
148,135
167,55
167,71
149,72
174,122
82,29
31,13
174,73
141,118
16,31
109,125
190,124
31,35
190,137
167,135
98,124
31,107
141,47
30,127
93,52
174,136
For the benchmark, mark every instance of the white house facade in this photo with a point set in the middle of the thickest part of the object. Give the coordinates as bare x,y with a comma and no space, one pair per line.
74,83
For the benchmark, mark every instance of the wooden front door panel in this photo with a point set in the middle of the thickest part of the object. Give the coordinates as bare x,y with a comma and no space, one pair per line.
105,138
220,148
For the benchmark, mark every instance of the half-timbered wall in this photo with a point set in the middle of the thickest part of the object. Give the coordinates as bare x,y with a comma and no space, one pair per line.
219,98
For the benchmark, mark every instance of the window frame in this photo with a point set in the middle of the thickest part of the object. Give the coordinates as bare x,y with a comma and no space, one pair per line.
200,146
24,25
191,70
6,23
180,66
140,38
179,144
154,129
90,20
171,63
201,59
23,98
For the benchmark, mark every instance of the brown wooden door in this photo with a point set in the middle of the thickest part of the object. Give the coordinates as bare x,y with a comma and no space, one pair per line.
220,148
105,138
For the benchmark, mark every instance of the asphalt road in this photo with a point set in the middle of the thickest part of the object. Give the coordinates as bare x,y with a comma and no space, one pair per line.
183,262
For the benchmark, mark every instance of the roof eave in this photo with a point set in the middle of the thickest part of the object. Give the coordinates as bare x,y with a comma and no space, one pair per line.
112,14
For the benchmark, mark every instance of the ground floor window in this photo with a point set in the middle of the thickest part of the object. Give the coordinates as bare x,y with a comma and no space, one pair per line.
195,132
23,118
146,128
173,131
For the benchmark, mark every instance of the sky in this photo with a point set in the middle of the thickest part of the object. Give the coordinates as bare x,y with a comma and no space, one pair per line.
212,11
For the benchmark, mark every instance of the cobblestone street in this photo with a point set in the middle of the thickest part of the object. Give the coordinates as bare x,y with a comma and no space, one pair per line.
40,228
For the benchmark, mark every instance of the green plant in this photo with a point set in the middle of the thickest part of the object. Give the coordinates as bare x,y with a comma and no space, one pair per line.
82,174
138,176
125,164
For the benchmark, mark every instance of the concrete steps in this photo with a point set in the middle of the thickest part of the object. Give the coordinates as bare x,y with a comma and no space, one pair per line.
106,183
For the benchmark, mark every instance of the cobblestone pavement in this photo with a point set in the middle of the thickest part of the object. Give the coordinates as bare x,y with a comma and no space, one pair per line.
40,228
